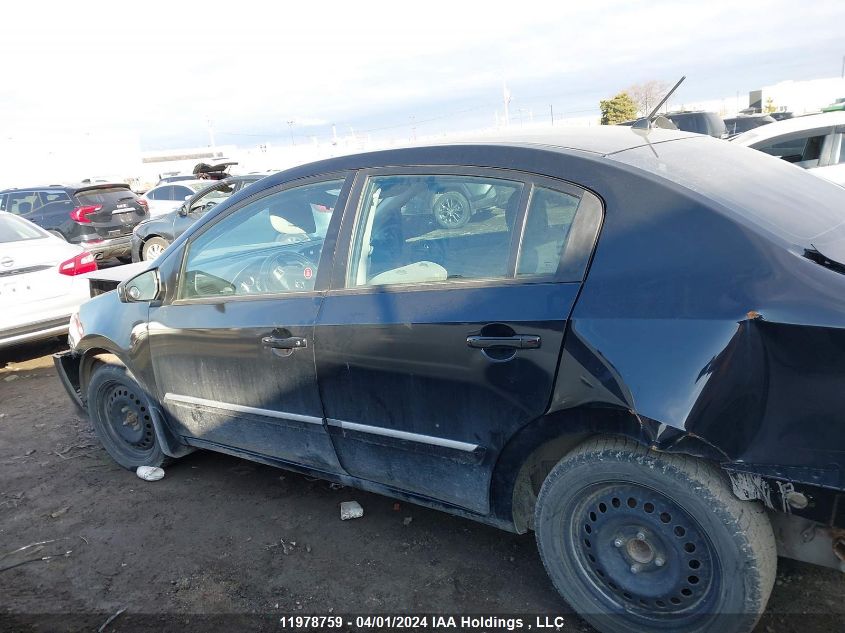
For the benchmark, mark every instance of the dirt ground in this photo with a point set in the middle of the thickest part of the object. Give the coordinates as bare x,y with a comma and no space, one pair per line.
219,535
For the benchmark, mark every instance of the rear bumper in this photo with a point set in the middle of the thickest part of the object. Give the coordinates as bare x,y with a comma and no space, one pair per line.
34,331
106,248
67,368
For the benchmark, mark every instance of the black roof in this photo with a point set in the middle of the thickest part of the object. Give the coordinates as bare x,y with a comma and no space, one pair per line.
69,187
602,140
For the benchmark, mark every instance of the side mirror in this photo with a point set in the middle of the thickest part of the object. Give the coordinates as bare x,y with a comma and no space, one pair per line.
188,197
140,288
183,210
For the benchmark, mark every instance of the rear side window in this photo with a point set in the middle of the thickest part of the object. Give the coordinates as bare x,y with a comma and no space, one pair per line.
444,228
550,217
159,193
797,149
22,202
111,195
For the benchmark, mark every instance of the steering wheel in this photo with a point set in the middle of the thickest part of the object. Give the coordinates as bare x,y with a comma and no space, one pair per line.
285,271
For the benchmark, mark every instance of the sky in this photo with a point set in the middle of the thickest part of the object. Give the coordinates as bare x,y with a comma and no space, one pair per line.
268,71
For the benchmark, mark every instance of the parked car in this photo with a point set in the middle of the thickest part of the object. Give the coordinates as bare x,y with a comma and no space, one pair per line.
638,356
151,237
164,180
699,122
743,123
781,116
814,142
99,217
165,198
39,286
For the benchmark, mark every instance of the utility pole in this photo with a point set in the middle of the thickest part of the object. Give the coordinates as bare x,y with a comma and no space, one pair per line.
843,67
552,113
211,135
506,96
290,128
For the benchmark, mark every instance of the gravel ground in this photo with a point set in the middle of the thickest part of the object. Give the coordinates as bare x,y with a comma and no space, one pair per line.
224,544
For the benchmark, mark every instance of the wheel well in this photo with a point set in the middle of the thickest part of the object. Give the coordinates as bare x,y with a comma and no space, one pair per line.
90,360
529,457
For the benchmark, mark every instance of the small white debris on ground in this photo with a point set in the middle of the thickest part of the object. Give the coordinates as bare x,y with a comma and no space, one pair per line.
351,510
149,473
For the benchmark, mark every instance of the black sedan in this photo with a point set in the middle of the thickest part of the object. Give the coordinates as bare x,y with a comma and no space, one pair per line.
150,238
638,354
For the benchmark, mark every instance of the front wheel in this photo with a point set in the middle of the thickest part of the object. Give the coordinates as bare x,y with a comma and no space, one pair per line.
636,540
153,248
120,413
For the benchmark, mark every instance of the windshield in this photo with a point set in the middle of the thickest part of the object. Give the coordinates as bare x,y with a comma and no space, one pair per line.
109,195
14,229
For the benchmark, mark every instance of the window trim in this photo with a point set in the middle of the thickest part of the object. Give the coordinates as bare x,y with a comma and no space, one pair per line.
324,266
354,212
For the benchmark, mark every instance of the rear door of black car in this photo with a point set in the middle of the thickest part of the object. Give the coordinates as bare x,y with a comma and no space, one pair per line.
111,210
435,345
232,346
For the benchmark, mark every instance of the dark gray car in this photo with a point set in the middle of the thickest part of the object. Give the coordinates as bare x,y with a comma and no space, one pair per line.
150,238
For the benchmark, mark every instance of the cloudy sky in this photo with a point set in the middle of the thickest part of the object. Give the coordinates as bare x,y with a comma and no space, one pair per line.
380,68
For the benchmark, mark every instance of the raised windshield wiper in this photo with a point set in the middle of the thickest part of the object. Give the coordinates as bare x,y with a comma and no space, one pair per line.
814,255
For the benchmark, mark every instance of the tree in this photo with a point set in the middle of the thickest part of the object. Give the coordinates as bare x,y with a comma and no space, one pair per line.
770,106
647,95
618,109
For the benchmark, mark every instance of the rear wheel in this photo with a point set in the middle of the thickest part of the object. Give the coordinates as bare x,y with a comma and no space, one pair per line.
153,247
120,413
639,540
451,209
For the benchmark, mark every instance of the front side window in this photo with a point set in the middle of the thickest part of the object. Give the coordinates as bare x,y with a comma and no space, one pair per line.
430,228
211,198
269,246
180,192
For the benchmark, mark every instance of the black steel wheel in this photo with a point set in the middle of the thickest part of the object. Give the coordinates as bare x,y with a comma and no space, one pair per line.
120,413
639,540
451,209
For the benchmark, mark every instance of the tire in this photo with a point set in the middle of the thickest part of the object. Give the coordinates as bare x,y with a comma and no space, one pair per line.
451,209
153,248
705,560
119,411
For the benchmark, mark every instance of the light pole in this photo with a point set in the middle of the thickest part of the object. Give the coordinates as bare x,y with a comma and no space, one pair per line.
290,128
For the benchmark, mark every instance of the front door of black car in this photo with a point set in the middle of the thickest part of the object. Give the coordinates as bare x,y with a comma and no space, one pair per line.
233,353
437,343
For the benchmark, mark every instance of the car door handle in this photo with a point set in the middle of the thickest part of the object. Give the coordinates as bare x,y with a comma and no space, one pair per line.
284,342
519,341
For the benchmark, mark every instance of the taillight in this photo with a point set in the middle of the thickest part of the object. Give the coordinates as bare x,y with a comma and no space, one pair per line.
80,214
144,205
82,263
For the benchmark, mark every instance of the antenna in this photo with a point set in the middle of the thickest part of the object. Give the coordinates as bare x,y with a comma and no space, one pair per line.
646,122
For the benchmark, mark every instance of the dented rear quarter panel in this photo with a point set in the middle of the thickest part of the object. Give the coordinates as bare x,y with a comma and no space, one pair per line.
700,314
